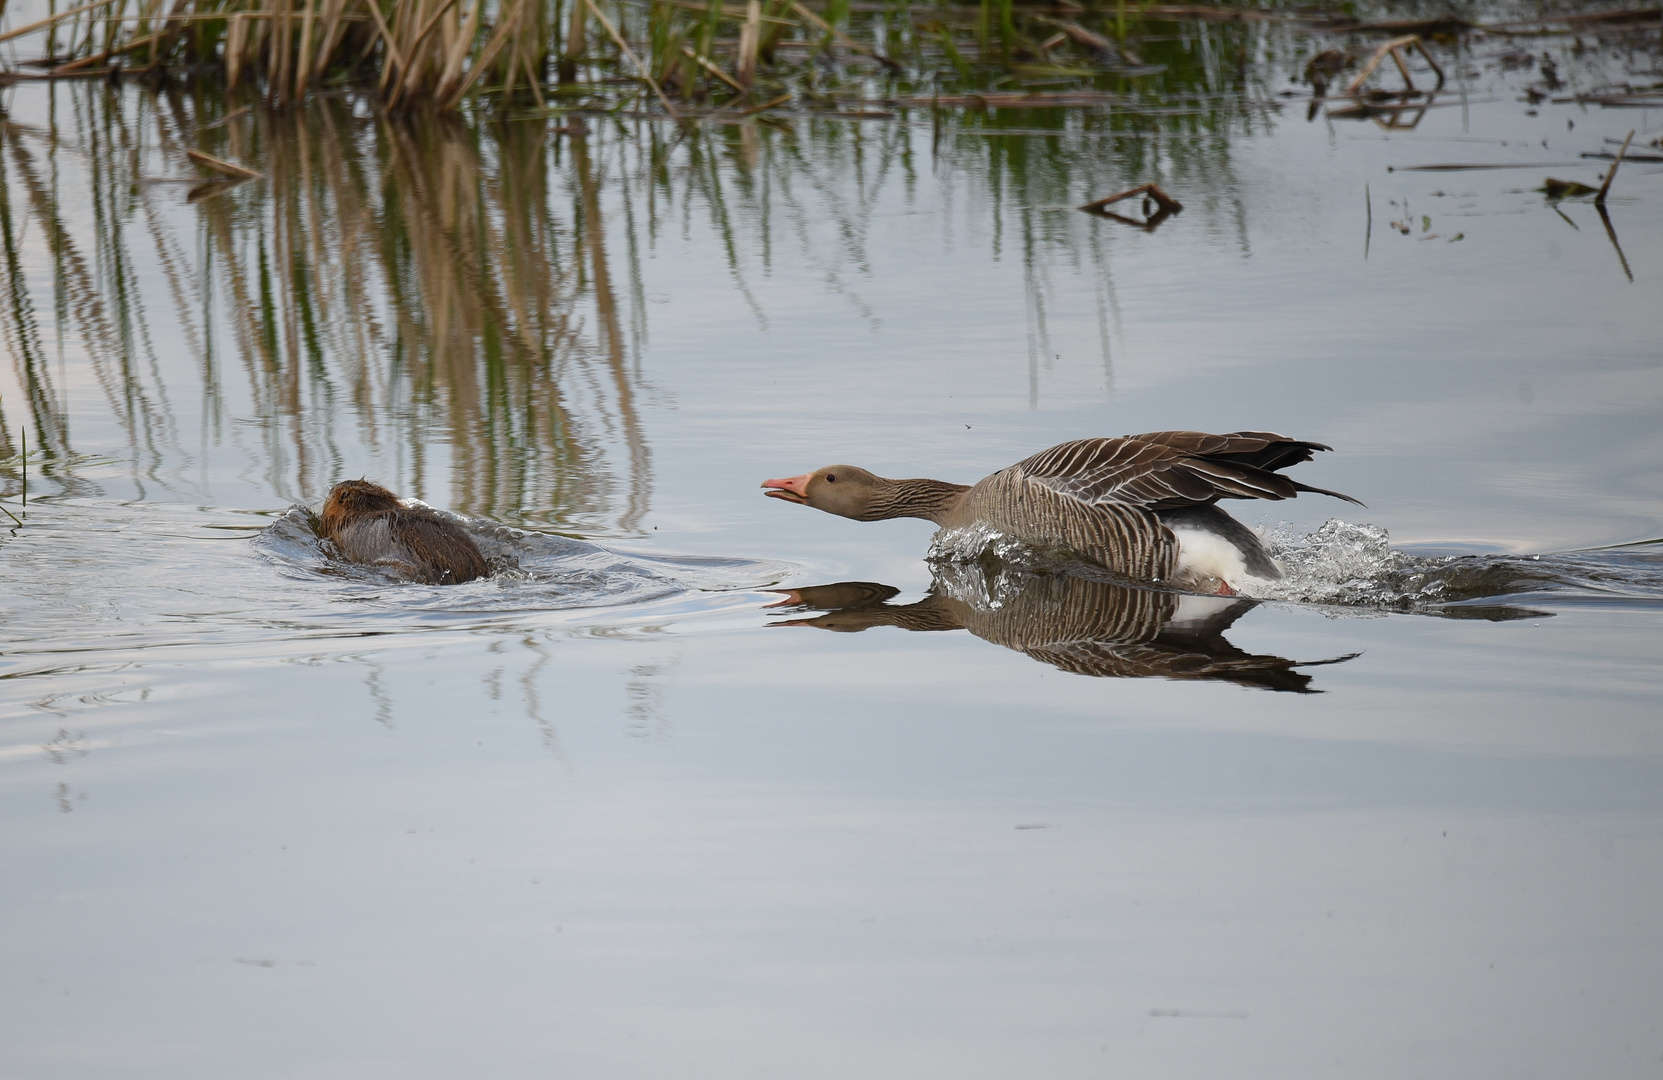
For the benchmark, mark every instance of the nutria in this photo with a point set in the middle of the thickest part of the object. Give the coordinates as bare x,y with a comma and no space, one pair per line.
371,525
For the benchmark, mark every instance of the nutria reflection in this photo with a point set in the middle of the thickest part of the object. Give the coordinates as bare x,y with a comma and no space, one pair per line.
1077,624
372,525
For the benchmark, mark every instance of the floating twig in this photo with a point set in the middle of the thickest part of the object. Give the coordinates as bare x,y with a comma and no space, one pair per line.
1465,166
1642,99
1152,191
1627,157
236,172
1395,49
1368,214
1599,200
1165,207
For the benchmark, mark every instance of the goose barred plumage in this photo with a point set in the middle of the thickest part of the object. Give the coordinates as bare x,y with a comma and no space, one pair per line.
1142,506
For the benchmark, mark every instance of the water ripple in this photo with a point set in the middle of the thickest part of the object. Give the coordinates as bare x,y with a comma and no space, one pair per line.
1355,565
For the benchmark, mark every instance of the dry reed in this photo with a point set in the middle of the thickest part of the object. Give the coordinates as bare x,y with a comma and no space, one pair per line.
601,53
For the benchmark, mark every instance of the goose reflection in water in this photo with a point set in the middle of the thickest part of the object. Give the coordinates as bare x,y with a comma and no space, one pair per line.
1077,624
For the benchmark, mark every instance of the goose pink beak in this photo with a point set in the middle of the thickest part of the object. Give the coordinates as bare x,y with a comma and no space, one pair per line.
791,489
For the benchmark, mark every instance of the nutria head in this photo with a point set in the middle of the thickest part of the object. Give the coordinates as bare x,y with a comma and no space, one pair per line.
355,499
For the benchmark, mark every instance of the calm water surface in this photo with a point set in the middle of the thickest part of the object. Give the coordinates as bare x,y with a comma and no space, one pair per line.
701,784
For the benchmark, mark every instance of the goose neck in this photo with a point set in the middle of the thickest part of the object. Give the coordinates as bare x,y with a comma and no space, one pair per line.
931,500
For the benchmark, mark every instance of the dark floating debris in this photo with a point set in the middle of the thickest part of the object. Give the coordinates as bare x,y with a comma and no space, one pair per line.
1566,189
1447,25
1464,166
1324,66
1635,15
1574,189
1560,190
1392,109
1615,99
1164,206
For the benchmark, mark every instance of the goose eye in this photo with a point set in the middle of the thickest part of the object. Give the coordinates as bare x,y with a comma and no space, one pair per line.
831,478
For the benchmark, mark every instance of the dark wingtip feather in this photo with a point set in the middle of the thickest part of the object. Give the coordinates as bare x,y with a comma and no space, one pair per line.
1325,491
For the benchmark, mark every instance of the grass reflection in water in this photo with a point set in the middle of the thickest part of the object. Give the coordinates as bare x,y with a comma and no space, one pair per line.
411,283
398,284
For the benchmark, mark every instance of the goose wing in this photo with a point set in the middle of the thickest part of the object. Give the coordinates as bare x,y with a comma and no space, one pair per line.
1165,470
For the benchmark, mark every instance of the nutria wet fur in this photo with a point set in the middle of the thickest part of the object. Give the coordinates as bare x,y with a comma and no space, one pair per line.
370,525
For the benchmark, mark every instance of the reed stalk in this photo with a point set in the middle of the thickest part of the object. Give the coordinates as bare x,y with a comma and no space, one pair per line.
749,38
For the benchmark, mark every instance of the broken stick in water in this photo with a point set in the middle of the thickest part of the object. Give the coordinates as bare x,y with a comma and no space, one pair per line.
1166,202
236,172
1599,200
1395,49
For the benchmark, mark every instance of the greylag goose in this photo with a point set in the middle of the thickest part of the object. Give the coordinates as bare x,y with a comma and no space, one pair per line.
1076,624
1142,506
372,525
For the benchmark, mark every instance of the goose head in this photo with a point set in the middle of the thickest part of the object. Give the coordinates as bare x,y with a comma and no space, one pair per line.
845,490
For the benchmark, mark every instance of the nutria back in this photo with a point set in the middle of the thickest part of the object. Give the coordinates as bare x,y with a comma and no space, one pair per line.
371,525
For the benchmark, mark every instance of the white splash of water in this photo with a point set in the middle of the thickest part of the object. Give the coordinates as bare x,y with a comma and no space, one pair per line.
978,585
1343,563
977,543
1340,563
